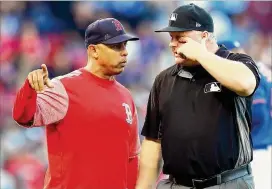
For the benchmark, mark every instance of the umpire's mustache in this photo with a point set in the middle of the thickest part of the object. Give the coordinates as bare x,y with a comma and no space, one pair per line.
182,56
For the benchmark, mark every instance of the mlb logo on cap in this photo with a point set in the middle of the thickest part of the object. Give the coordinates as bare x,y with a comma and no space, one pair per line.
212,87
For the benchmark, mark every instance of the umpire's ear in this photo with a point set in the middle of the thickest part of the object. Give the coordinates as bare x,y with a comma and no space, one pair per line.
92,51
205,35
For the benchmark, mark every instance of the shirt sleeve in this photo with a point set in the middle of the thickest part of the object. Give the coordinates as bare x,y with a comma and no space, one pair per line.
38,109
249,62
151,127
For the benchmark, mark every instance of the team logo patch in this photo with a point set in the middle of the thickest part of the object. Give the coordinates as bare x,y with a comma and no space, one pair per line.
173,16
128,113
212,87
118,25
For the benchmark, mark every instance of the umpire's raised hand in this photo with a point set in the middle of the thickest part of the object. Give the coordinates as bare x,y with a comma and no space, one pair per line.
39,80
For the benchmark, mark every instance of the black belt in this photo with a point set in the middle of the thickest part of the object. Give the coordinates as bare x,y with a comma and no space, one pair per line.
214,180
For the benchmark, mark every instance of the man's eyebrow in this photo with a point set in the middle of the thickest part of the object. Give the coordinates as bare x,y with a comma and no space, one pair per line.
178,35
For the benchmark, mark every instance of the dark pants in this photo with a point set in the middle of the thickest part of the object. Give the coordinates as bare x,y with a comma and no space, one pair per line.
245,182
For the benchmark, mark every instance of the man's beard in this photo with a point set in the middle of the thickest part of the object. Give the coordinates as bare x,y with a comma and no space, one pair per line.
190,63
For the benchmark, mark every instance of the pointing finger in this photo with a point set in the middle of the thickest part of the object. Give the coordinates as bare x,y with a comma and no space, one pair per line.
44,69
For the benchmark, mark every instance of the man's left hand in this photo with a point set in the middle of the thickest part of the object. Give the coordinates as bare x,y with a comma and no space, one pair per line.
192,49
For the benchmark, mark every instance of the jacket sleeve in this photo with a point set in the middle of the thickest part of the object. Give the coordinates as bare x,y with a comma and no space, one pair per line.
39,109
249,62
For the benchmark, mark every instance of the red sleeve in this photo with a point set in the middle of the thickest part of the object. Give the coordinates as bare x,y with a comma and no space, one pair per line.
32,109
133,166
25,105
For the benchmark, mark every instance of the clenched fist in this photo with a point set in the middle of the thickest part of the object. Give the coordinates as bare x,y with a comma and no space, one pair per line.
39,80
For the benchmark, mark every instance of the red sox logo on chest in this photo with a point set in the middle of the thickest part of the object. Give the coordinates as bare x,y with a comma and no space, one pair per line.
118,25
128,113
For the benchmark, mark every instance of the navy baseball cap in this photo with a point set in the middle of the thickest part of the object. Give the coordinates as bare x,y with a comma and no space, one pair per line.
106,31
187,18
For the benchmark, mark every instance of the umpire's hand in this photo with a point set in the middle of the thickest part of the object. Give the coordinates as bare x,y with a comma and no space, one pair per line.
38,79
192,49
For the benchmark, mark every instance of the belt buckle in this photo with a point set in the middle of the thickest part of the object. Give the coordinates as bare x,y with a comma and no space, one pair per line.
218,180
194,181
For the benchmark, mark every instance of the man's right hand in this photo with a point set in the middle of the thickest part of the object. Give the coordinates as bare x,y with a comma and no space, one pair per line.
39,80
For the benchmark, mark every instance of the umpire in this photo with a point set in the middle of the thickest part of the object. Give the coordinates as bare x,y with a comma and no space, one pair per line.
198,113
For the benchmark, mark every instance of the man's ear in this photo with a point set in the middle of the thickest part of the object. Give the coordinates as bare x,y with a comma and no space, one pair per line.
92,51
205,35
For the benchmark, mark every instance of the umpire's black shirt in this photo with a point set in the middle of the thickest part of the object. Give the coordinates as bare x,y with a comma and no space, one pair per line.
204,127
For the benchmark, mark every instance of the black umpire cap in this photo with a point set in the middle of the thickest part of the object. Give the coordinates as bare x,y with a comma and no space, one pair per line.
187,18
106,31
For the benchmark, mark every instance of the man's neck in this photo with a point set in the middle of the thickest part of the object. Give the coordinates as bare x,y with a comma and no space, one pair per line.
90,67
213,48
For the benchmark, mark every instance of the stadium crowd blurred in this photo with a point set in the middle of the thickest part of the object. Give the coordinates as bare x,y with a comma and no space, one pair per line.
33,33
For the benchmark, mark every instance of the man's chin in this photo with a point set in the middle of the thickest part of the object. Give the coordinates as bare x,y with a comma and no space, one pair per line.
119,71
179,60
185,62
